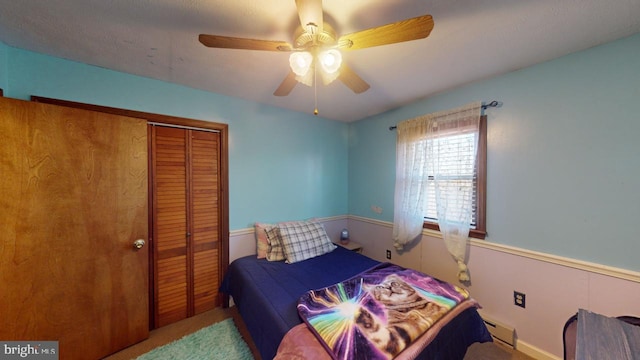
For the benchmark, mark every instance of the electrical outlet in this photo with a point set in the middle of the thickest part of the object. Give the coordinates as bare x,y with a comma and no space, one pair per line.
519,299
389,254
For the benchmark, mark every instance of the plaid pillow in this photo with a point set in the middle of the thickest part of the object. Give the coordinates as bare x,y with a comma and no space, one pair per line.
262,242
303,241
274,249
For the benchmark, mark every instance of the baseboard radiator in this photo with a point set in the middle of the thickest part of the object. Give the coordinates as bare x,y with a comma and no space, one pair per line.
499,331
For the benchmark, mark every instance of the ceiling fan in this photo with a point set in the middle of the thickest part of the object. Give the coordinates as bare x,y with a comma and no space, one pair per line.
316,47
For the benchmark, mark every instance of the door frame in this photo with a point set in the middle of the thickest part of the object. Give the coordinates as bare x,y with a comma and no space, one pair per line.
169,120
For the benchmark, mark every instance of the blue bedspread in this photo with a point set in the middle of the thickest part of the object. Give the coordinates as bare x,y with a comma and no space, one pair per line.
266,294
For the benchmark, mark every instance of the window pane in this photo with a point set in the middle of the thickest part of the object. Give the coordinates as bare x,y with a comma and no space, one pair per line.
455,156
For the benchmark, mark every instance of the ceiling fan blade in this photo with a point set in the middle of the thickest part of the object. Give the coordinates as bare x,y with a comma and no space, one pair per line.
310,12
411,29
287,85
352,80
227,42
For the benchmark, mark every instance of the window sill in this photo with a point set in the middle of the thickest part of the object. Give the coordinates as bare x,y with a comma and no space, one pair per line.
473,233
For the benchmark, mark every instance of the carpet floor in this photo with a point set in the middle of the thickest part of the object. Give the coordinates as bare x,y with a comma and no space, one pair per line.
175,331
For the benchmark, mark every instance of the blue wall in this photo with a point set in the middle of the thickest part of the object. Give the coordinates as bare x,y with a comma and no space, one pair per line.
3,66
563,155
283,165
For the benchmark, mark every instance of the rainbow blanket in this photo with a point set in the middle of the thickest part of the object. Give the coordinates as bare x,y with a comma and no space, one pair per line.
378,313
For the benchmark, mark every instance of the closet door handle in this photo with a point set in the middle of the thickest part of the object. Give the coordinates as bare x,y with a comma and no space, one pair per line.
138,244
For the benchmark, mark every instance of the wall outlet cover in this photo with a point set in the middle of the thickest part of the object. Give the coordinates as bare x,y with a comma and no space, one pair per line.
519,299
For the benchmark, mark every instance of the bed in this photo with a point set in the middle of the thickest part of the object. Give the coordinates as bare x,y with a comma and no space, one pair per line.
267,293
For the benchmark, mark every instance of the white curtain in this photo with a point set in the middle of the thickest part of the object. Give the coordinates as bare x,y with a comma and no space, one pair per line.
411,181
442,145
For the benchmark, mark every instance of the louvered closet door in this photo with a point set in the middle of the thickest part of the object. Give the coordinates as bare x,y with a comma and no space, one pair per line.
169,234
205,218
185,222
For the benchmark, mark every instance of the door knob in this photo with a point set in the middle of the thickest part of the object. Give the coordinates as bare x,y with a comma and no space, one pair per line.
138,244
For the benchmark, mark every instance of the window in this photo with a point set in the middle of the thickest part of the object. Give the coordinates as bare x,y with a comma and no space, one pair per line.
462,174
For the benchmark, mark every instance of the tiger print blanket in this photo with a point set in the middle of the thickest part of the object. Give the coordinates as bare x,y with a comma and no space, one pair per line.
378,313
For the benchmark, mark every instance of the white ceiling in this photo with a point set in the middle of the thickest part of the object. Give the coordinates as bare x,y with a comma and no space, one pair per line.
471,40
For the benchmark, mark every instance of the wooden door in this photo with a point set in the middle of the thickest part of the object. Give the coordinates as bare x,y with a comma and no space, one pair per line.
186,222
73,200
205,219
169,214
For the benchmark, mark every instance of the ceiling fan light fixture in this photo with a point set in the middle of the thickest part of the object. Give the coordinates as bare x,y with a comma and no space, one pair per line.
327,78
300,62
316,44
306,79
330,60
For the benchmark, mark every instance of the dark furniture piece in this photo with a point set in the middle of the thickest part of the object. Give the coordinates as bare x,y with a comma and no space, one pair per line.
570,332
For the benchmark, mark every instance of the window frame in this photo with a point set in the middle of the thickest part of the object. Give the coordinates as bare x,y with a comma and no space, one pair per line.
480,231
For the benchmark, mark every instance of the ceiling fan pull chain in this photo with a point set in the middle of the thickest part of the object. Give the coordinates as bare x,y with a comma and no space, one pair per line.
315,88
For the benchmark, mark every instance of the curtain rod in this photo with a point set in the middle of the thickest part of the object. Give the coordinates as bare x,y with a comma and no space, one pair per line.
484,107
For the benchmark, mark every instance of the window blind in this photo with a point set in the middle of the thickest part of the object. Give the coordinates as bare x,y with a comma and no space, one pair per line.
455,155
